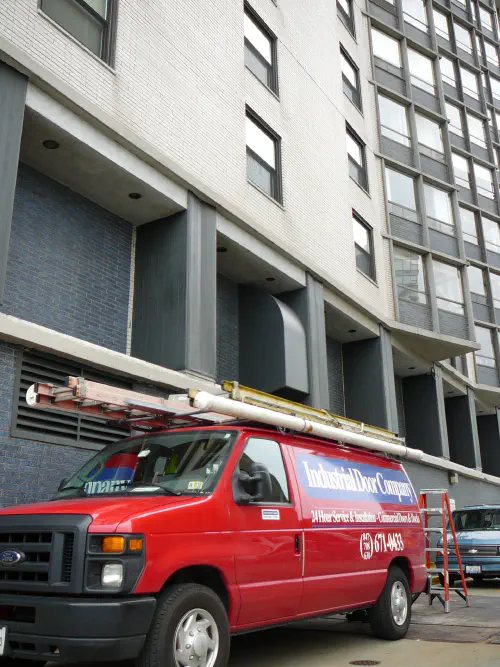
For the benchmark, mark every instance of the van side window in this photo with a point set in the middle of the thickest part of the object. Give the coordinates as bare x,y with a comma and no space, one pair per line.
268,452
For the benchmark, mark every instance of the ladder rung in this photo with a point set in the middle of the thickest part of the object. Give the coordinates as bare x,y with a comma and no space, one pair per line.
434,530
432,510
435,570
441,589
439,492
434,548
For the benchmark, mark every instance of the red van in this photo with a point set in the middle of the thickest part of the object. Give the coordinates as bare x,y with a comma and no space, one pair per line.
165,544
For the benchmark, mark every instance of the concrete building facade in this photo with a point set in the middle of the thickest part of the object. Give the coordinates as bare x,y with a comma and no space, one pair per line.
300,197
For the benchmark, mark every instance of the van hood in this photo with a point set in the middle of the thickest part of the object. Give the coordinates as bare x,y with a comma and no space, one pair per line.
107,513
469,538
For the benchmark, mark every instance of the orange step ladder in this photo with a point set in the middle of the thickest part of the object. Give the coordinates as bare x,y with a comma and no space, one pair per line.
444,512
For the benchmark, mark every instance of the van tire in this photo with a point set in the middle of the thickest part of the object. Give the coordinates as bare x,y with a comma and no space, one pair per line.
173,605
381,615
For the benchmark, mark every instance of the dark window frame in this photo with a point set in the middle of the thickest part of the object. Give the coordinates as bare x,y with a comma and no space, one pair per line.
272,503
108,24
373,269
363,182
277,196
272,84
355,96
347,19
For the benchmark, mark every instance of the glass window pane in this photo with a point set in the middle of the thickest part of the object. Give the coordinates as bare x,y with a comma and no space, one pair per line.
448,71
469,82
267,452
484,182
361,235
478,46
348,71
495,289
491,53
476,280
415,13
486,355
441,23
476,130
486,18
437,204
386,48
448,287
455,117
77,21
400,189
394,120
346,6
354,149
258,38
497,118
99,6
409,271
461,169
491,233
421,68
495,87
469,228
261,143
429,133
463,38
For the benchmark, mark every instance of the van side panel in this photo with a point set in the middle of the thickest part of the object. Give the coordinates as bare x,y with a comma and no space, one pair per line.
359,513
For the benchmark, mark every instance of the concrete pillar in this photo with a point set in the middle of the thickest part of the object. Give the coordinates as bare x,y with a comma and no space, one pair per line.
308,303
462,430
424,411
174,319
370,394
12,102
489,442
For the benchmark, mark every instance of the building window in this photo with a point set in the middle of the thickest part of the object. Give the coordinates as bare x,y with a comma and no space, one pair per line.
415,13
491,233
469,226
263,157
394,121
91,22
491,53
350,79
268,453
486,355
476,280
448,72
497,118
448,287
441,24
401,192
346,14
487,19
454,115
495,289
484,181
260,51
476,130
357,159
386,48
461,168
429,133
463,38
363,244
469,82
438,209
421,72
410,277
495,88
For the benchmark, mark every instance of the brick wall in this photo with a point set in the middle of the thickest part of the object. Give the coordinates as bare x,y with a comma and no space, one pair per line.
227,329
335,376
69,263
29,471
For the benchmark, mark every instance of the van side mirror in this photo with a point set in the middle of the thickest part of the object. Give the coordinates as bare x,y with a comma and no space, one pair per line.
62,483
250,488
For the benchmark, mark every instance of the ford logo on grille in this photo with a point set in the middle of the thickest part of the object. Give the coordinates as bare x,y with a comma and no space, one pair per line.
10,557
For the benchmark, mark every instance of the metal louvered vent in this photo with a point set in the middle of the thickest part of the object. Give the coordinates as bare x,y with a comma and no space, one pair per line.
67,558
53,427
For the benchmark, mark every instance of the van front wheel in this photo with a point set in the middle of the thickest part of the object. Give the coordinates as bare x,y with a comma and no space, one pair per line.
390,616
190,627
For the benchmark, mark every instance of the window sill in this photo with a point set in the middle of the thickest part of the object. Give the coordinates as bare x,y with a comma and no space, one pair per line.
371,280
270,90
361,187
263,192
76,41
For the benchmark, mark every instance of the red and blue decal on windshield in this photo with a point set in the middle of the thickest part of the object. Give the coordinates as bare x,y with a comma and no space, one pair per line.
116,474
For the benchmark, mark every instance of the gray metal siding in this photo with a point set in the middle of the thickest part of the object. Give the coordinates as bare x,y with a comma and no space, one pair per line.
415,314
227,329
335,376
398,383
452,324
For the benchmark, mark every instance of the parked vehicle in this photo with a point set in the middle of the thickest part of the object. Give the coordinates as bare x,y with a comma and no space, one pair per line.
164,544
478,534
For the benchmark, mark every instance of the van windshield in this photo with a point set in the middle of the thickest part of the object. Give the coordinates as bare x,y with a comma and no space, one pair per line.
487,519
183,463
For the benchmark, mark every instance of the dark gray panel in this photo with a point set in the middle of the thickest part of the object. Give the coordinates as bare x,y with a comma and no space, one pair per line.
383,11
415,314
467,57
369,382
459,11
397,151
426,99
273,347
493,259
398,384
417,35
472,102
457,141
465,195
175,291
489,442
335,376
443,242
12,100
452,324
481,311
488,204
480,152
462,430
434,168
425,422
450,91
497,315
406,229
443,42
473,251
227,329
390,80
487,376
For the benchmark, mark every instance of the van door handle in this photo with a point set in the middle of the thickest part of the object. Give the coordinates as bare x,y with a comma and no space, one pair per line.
297,544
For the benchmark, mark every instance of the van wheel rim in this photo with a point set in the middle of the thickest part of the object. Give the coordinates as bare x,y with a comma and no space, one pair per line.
399,603
196,640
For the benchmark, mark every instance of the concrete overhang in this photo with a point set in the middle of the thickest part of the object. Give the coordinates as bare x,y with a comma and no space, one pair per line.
487,394
95,166
430,345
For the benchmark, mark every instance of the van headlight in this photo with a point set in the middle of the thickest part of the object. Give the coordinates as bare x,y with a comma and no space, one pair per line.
112,575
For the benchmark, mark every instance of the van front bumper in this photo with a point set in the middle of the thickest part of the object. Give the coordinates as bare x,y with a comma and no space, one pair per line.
69,629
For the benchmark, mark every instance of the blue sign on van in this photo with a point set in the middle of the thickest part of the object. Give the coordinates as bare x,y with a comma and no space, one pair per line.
333,479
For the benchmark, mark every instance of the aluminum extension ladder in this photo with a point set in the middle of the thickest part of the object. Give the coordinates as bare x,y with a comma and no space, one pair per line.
443,512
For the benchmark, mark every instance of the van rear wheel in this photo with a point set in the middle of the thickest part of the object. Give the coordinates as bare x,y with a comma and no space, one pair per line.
390,616
190,627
